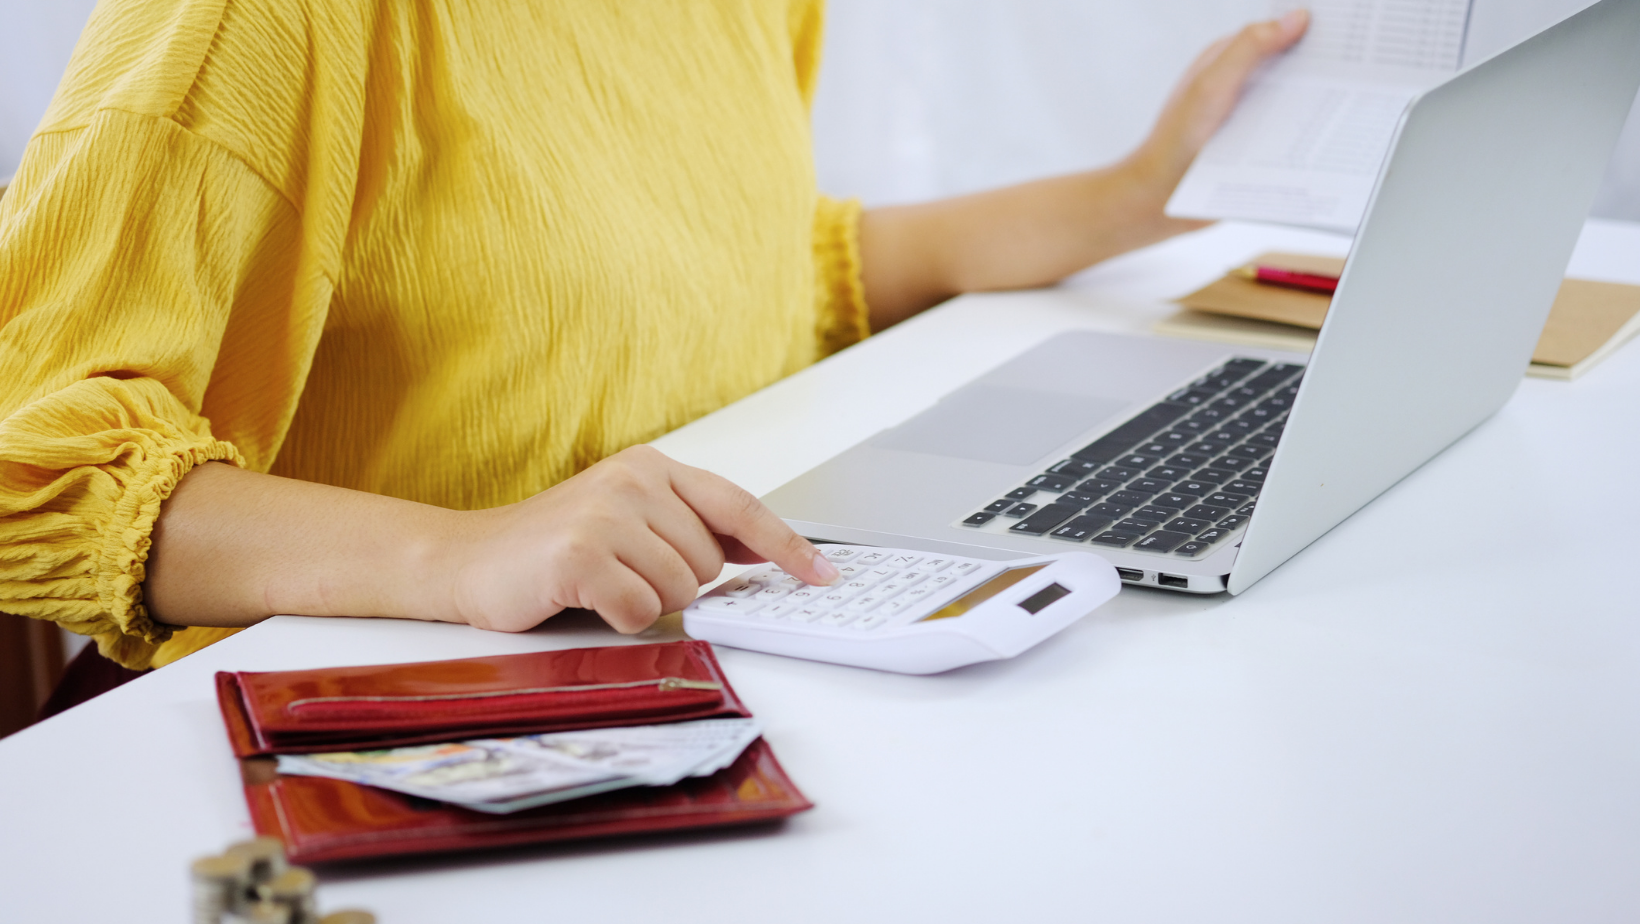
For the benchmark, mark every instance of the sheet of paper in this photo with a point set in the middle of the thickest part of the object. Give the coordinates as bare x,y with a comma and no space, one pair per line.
508,774
1305,144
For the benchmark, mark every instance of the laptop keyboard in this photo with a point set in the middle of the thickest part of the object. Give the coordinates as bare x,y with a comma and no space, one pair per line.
1179,479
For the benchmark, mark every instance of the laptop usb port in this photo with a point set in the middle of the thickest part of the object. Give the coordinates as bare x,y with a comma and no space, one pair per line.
1173,580
1130,574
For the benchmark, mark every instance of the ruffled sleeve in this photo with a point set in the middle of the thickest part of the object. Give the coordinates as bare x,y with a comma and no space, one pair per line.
135,258
839,294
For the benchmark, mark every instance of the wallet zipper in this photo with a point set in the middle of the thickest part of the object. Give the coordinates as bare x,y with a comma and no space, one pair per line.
663,684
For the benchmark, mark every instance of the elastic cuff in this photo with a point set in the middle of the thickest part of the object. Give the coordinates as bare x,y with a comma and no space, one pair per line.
844,317
122,565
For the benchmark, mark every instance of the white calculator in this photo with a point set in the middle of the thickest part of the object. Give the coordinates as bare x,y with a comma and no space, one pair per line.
905,611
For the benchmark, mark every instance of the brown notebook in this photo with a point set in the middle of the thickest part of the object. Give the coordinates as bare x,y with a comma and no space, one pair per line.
1588,322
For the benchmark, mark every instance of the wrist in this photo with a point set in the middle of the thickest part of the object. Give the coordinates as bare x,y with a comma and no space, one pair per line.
423,580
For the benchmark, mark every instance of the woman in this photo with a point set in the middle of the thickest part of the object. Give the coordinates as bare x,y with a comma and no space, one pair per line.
362,308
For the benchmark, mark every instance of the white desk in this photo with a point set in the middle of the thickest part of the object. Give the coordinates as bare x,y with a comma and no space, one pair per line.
1432,714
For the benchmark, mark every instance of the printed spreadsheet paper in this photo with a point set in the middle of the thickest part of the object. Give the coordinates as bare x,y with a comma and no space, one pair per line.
1304,145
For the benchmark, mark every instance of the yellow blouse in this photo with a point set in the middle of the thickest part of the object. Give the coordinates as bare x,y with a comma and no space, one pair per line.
443,251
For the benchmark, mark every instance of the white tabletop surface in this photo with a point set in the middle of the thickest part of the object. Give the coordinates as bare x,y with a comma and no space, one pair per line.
1430,715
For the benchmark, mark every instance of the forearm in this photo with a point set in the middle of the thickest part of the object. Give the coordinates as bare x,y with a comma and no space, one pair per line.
1017,237
232,547
1038,233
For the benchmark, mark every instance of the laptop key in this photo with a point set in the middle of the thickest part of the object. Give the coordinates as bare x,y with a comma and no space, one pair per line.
1216,476
1168,473
1249,451
1232,521
1247,511
979,519
1255,473
1019,511
1176,500
1159,514
1054,483
1138,461
1248,488
1136,526
1192,426
1205,512
1076,499
1119,440
1020,493
1192,548
1076,468
1243,366
1129,498
1231,463
1224,499
1045,519
1115,473
1162,541
1210,414
998,506
1149,485
1192,487
1183,525
1266,439
1193,396
1098,486
1188,460
1115,539
1113,511
1212,535
1081,529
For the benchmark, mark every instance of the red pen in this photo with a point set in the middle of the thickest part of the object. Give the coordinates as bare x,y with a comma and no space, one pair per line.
1292,279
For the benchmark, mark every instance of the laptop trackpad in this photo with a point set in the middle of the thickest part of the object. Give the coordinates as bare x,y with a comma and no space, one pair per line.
994,423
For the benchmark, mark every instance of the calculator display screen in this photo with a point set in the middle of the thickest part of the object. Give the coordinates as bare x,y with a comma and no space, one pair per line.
983,592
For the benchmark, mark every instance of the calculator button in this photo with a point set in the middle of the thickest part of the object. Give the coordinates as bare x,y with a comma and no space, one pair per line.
740,589
872,559
966,568
878,575
838,596
805,613
870,620
890,588
893,607
904,561
806,595
765,576
936,565
776,609
864,602
852,571
728,605
841,553
913,577
772,593
919,593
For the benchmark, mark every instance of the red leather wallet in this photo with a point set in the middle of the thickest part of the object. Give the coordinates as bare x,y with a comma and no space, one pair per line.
390,705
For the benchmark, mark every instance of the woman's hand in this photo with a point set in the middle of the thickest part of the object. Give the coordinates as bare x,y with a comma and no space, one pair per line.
1205,96
632,537
1035,234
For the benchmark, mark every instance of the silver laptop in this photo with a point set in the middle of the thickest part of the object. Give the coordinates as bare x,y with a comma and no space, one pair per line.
1200,468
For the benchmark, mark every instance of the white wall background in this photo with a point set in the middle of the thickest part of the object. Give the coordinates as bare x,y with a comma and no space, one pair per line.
926,98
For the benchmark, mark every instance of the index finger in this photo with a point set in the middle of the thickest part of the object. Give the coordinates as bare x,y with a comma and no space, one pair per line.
730,510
